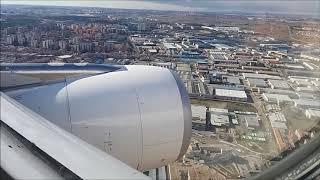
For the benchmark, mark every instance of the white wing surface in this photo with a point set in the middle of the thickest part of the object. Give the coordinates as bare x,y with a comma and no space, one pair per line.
40,149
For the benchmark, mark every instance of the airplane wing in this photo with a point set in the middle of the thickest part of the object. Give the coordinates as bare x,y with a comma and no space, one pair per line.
34,148
33,74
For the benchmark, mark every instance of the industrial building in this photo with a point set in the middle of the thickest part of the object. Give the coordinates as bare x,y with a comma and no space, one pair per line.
294,66
276,98
277,120
316,83
219,117
168,65
233,118
306,89
300,81
219,110
290,93
307,103
230,87
228,94
184,75
272,108
183,67
224,78
252,121
232,80
219,55
278,84
259,76
188,85
310,56
306,95
223,47
313,114
253,82
198,89
198,112
210,88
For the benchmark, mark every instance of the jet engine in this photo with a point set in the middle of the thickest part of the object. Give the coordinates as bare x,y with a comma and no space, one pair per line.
139,114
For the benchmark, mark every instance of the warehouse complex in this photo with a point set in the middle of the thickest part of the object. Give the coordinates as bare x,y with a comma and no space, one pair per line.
229,94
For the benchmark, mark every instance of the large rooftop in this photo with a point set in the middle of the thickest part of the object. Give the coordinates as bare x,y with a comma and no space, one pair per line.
259,76
278,84
198,111
307,103
231,93
219,119
276,97
254,82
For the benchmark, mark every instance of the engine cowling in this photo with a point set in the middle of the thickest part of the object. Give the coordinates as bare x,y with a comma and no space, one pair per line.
140,115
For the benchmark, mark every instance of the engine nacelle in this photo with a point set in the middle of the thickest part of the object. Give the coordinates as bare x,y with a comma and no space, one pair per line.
140,115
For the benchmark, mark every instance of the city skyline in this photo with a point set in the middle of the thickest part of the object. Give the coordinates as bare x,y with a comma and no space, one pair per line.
310,8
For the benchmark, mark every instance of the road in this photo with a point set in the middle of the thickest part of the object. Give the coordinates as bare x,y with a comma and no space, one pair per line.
258,104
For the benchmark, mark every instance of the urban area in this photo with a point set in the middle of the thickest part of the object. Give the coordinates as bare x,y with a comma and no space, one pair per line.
253,80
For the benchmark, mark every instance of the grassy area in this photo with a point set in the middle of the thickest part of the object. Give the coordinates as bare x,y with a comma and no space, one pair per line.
296,118
261,147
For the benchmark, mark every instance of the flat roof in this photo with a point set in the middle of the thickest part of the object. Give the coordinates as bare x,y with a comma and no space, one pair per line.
307,102
219,110
290,93
294,66
232,79
277,116
251,120
257,82
314,112
259,76
277,97
308,88
169,45
316,83
152,50
198,111
279,125
279,83
231,93
219,119
65,56
222,46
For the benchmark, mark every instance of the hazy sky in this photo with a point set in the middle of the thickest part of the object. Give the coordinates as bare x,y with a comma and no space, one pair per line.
311,7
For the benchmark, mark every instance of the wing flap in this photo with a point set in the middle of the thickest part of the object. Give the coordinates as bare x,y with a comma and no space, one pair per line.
20,162
79,157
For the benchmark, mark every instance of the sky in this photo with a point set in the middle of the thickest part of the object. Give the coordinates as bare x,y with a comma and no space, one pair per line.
308,7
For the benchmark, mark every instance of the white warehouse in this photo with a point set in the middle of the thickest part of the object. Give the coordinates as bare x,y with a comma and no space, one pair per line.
313,114
230,94
307,103
198,112
278,84
276,98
